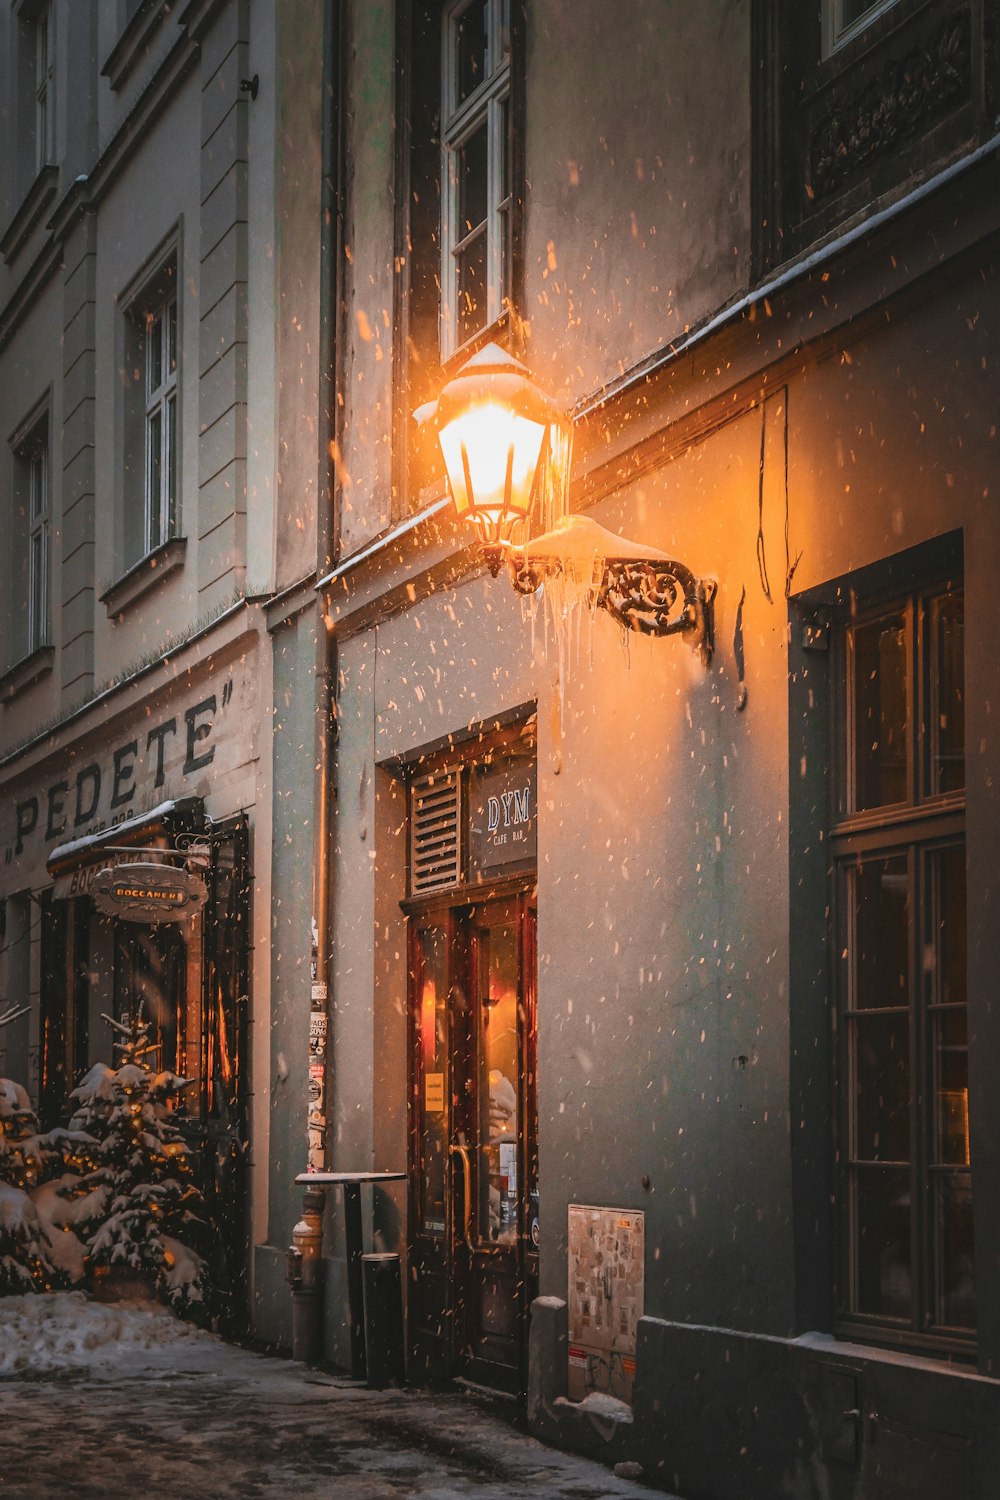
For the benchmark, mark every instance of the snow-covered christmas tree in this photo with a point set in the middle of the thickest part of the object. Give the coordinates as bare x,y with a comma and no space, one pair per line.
25,1264
130,1176
24,1261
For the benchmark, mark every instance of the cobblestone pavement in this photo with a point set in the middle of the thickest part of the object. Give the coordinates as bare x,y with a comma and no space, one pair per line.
217,1423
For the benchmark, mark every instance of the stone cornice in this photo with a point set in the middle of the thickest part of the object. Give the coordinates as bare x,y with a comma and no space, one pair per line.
29,289
25,673
198,15
36,200
87,192
235,629
133,40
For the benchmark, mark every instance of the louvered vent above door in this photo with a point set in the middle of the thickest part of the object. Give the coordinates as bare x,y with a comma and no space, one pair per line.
436,833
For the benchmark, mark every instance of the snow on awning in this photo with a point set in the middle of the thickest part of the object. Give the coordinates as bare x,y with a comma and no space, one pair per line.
183,813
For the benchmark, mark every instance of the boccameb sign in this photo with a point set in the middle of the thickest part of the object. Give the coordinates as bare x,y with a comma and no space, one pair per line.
148,893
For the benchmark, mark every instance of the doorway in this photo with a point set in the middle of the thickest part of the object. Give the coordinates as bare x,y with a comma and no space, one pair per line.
193,979
473,1165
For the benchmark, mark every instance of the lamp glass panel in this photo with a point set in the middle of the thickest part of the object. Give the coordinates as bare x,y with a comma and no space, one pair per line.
477,447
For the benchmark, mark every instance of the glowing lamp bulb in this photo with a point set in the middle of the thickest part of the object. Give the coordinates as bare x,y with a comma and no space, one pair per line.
491,455
493,425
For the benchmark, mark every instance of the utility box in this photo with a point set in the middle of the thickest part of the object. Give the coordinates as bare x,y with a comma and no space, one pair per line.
605,1302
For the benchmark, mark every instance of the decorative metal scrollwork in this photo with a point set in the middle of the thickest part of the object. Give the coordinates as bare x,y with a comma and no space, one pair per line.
658,598
195,849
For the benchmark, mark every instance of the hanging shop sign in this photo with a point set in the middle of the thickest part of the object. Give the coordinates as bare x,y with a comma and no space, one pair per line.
503,817
148,893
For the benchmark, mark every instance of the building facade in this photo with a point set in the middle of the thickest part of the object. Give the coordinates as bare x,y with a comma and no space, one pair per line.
663,976
153,298
668,984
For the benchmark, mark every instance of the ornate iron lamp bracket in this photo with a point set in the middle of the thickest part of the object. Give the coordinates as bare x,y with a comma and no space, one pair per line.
658,598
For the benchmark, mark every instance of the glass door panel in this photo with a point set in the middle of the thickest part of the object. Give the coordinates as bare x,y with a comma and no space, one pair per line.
432,1074
435,1195
472,1140
497,1085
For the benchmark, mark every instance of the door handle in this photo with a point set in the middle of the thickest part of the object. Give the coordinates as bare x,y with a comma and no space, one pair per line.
463,1152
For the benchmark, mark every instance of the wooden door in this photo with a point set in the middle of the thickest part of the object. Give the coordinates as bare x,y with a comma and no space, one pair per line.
473,1154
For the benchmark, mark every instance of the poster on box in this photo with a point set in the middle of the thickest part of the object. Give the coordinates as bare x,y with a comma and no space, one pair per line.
605,1300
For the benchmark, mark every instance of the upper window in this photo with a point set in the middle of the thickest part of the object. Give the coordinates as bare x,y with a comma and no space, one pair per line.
898,841
844,19
29,551
476,198
32,102
44,88
458,258
854,100
151,416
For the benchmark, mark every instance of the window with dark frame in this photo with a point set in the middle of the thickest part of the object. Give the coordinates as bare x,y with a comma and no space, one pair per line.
44,90
30,544
36,461
33,94
844,19
161,421
853,102
904,1185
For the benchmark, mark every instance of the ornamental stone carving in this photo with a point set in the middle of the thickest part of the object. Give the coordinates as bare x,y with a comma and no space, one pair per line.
897,105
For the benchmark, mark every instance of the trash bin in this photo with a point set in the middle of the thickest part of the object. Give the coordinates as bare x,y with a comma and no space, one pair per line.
383,1289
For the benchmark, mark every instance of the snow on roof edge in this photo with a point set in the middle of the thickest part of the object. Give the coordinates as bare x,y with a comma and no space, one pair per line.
110,834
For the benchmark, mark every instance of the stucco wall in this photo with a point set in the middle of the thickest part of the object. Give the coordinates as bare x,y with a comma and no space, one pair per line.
637,219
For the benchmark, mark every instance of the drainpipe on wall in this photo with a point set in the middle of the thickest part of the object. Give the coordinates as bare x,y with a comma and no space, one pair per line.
305,1255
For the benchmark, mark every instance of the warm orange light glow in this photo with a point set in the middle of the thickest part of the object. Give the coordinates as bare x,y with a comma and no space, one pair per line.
492,455
493,424
428,1020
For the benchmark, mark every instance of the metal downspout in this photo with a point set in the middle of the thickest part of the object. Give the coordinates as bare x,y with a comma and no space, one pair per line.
305,1255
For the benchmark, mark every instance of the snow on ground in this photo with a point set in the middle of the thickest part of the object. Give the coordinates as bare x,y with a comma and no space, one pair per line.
62,1331
113,1402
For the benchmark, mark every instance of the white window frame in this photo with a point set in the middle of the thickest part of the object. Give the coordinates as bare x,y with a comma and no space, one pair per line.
160,360
836,34
36,458
459,121
29,578
44,89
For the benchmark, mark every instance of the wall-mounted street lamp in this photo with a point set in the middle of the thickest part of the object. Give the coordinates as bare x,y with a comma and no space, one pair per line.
501,437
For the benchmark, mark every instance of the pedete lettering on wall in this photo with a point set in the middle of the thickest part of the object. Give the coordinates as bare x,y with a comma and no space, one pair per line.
89,784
